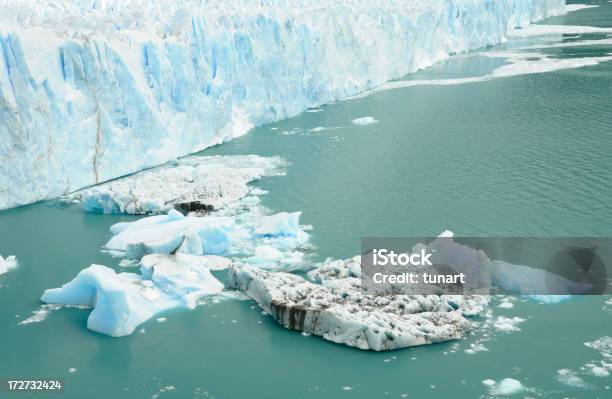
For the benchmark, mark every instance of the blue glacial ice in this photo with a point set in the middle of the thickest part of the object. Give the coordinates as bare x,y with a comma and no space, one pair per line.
176,254
93,90
209,235
123,301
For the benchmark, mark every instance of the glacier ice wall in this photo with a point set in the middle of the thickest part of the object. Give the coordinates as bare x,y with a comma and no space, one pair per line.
91,90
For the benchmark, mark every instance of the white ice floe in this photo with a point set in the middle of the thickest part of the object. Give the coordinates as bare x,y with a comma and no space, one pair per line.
506,387
507,324
570,378
196,183
7,263
209,235
543,30
535,64
93,90
366,120
578,7
123,301
603,345
40,314
550,299
336,309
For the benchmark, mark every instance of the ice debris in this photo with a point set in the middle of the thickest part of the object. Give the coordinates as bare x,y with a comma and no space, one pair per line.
210,235
7,263
506,387
195,183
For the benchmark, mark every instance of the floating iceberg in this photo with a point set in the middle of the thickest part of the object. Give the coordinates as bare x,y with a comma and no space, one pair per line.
211,235
506,387
336,310
197,183
123,301
91,91
366,120
7,264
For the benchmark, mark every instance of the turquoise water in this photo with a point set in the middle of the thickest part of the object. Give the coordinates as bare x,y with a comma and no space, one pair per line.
526,155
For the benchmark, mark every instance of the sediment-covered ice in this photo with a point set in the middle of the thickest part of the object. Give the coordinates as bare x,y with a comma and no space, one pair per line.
123,301
94,90
7,263
196,183
336,310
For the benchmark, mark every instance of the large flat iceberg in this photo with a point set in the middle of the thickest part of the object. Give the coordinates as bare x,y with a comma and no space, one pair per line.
94,90
196,183
335,308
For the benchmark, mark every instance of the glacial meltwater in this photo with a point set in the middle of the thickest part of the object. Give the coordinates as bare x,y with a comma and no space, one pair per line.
477,144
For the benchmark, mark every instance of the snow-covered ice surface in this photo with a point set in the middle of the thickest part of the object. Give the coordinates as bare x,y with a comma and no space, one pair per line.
123,301
336,310
94,90
196,183
7,263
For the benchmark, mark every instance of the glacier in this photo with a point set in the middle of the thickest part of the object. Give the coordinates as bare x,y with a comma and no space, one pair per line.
91,90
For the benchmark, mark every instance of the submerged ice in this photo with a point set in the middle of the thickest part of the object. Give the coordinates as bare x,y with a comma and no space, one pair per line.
91,91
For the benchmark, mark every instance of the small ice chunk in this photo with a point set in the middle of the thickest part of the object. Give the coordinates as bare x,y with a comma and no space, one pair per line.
507,324
598,371
72,370
570,378
366,120
7,263
506,387
488,382
281,224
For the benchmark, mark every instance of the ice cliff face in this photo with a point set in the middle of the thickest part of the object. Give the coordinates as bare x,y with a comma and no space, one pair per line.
91,90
